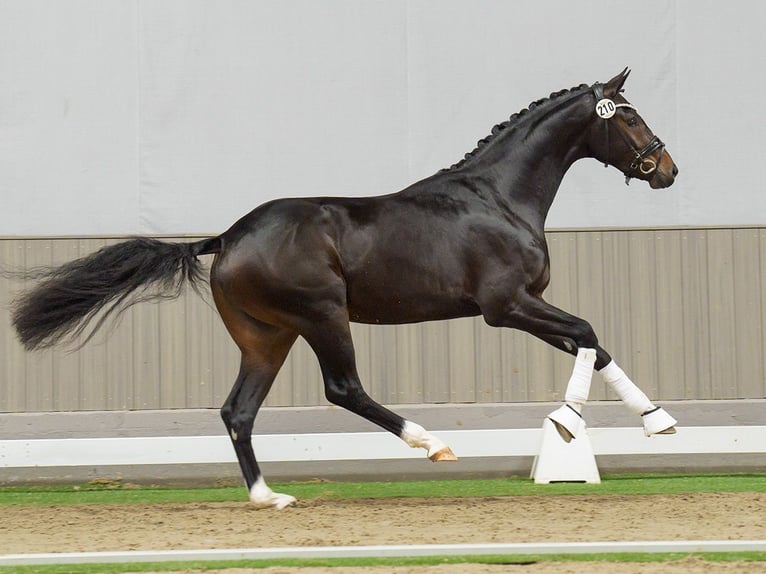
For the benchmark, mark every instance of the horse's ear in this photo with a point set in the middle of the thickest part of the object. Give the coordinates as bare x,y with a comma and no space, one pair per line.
614,86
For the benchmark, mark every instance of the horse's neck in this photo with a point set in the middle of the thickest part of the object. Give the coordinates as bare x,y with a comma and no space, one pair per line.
528,165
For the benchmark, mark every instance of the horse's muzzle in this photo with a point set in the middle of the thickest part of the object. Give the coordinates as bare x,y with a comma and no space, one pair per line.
664,176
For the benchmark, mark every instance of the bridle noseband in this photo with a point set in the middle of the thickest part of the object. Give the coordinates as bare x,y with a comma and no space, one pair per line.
605,109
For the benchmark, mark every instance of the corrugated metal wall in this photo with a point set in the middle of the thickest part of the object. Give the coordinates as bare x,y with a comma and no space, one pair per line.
683,311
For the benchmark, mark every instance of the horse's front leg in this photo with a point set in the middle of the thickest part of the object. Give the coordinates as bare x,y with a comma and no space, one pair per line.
576,336
656,419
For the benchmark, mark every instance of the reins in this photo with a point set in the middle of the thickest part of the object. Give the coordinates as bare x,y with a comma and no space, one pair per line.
606,109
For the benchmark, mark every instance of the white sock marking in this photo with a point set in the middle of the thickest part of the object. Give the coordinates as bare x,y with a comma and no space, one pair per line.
263,497
418,437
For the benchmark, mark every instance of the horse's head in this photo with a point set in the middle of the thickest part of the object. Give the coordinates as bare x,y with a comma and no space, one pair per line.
621,137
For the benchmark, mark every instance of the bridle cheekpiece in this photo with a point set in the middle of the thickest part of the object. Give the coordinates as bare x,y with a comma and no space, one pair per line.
640,162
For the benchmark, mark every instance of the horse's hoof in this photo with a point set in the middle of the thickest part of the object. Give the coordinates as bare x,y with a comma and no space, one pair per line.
283,501
565,435
261,496
567,421
658,421
443,455
274,500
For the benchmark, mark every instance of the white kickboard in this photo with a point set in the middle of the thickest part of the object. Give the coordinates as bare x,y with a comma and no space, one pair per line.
559,461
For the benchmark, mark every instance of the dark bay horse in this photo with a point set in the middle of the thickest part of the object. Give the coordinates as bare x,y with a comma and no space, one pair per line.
466,241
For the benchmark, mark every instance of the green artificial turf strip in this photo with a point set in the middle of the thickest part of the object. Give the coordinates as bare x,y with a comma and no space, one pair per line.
114,493
367,562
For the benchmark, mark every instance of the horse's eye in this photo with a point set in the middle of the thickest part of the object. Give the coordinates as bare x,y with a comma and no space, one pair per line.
632,121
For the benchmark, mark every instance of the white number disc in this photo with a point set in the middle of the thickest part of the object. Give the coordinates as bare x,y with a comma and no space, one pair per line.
605,108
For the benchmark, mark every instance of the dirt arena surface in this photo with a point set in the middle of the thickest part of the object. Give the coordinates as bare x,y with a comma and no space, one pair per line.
726,516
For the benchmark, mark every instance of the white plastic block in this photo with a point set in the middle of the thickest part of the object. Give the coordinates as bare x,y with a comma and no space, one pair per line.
560,461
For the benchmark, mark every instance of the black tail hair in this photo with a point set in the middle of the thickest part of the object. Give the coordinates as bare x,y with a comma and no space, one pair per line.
60,307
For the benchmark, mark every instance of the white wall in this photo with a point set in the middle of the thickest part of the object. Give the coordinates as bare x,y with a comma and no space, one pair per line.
179,116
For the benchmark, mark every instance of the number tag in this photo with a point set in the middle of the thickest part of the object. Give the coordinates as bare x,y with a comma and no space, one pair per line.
605,108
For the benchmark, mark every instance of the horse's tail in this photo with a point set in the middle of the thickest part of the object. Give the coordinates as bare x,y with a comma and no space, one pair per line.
66,299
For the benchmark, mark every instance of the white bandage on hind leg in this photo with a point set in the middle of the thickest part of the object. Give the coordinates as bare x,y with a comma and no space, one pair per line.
633,397
578,387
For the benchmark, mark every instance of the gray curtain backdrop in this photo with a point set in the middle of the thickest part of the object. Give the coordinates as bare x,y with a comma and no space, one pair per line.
177,117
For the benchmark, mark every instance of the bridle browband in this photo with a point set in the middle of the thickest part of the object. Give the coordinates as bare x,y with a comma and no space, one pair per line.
639,162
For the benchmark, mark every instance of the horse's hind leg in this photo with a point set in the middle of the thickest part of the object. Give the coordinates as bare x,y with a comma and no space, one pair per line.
264,349
332,343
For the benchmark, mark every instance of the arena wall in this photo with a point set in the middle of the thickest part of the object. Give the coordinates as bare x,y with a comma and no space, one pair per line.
683,310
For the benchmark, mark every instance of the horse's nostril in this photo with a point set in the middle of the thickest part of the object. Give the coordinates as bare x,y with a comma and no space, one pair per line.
675,170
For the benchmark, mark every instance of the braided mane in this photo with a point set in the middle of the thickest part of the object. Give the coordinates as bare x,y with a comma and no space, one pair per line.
510,122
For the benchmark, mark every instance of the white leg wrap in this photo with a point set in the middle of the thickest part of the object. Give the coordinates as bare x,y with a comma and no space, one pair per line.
567,418
263,497
418,437
578,387
656,419
633,397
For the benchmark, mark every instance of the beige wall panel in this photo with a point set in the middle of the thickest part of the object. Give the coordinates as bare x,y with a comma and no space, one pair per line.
722,309
306,385
762,289
461,361
683,311
410,375
668,308
747,291
642,305
13,363
616,335
489,364
697,351
377,370
146,357
541,380
435,344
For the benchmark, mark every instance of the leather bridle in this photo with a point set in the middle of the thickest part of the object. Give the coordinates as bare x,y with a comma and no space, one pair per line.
640,162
